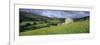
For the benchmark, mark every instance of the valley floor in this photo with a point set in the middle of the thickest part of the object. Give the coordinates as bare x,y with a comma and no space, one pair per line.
72,28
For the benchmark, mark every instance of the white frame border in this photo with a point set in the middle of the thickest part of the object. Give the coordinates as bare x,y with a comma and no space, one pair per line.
45,38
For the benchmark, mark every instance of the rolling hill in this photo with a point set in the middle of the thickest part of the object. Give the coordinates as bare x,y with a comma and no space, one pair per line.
34,21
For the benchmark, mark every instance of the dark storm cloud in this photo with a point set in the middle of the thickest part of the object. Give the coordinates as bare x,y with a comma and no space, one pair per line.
58,13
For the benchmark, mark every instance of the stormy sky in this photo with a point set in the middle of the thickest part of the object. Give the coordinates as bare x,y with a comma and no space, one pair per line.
57,13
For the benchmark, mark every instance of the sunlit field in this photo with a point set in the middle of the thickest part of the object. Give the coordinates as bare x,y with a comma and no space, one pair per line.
73,28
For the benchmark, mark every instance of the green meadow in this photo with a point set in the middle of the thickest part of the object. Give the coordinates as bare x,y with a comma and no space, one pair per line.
72,28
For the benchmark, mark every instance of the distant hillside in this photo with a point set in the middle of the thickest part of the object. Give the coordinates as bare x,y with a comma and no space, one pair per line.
81,19
24,16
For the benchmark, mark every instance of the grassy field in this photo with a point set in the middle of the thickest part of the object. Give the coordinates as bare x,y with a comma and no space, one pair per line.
72,28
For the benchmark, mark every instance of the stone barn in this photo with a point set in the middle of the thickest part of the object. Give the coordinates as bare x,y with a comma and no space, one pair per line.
68,20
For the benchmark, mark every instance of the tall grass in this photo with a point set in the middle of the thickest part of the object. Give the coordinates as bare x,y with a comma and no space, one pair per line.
75,27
